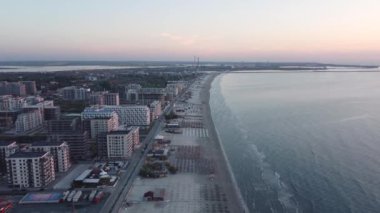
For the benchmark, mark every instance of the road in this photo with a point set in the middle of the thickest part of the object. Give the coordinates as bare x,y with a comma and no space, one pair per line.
117,197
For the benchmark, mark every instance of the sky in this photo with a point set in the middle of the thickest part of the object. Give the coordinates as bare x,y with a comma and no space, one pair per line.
330,31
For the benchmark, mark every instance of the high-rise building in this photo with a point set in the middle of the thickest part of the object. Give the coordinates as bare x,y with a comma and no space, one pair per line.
132,115
130,93
155,110
12,88
104,98
30,87
52,113
111,99
41,106
148,95
69,129
97,98
30,169
59,150
10,103
29,121
6,149
74,93
78,142
136,94
103,125
7,119
99,119
118,144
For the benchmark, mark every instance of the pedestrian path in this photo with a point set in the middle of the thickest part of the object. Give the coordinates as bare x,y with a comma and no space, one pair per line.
195,132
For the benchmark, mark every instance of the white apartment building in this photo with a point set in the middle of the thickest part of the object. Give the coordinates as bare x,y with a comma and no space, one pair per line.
10,103
103,125
132,115
59,150
30,169
100,120
121,143
28,121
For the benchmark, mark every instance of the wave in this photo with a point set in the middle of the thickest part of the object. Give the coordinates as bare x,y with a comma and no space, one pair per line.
270,180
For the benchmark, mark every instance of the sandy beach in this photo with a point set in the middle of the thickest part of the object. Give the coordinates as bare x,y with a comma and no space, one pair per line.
203,182
225,176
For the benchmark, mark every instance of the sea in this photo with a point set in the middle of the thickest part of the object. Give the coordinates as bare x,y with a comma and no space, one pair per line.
301,141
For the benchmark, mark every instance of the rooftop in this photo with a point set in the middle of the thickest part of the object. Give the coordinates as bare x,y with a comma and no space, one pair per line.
6,143
27,154
47,143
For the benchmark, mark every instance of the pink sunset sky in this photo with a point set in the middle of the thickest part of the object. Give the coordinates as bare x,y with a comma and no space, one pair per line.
332,31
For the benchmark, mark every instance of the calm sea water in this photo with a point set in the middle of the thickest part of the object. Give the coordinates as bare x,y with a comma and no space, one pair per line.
302,142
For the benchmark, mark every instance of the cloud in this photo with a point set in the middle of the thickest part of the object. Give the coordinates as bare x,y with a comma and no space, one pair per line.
183,40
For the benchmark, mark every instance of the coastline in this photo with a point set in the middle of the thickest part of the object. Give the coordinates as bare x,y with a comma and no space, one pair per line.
225,176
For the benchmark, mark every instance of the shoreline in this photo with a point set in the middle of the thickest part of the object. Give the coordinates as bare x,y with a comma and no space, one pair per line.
236,200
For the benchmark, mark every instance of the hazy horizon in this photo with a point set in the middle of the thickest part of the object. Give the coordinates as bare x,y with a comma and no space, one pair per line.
338,31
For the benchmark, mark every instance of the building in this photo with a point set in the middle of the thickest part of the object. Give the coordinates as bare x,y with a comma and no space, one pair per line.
32,100
137,115
121,143
149,95
70,130
28,121
7,119
155,110
10,103
30,87
78,143
52,113
59,150
74,93
96,112
99,119
104,98
41,106
101,145
131,92
103,125
6,149
30,169
132,115
136,94
12,88
97,98
111,99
